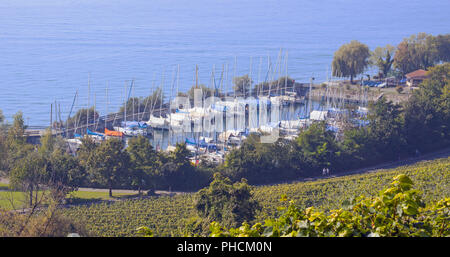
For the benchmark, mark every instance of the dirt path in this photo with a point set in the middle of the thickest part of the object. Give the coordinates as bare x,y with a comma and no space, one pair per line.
388,165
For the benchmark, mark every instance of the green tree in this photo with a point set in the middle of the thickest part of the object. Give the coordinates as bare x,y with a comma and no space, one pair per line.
177,170
77,123
64,174
385,130
3,144
382,57
427,112
206,91
108,164
86,150
144,162
421,51
16,144
225,202
28,174
356,147
142,106
259,162
443,47
318,147
242,84
278,85
350,60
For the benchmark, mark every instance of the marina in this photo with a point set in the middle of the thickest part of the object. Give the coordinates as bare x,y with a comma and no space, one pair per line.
211,124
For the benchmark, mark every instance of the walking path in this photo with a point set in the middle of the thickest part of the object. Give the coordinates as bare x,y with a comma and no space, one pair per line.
388,165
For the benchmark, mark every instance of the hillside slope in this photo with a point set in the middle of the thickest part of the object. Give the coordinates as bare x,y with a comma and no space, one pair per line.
166,216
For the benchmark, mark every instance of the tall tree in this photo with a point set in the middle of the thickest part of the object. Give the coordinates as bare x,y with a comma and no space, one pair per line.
443,47
80,119
16,144
108,163
385,130
242,84
318,147
28,174
64,174
421,51
207,92
144,163
350,60
383,58
427,113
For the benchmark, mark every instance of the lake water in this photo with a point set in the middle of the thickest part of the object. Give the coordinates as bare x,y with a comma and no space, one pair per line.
49,49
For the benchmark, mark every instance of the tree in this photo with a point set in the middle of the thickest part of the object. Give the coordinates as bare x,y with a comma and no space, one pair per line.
356,148
427,112
108,163
144,163
443,47
79,120
278,85
385,130
242,84
16,144
87,148
17,130
206,91
28,174
382,57
177,170
421,51
3,143
350,60
318,147
226,203
64,174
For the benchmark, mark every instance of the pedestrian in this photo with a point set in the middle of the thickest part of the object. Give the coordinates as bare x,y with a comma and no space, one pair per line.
328,171
324,172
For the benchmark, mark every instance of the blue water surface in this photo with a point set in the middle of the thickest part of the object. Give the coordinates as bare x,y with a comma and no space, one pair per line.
50,48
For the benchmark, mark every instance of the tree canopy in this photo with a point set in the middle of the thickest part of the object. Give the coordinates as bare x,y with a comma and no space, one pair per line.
227,203
383,58
421,51
350,60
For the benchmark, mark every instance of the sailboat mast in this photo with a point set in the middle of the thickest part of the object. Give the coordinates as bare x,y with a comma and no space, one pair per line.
89,94
107,101
309,97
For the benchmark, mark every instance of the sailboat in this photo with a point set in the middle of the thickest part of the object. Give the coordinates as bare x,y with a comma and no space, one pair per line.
159,122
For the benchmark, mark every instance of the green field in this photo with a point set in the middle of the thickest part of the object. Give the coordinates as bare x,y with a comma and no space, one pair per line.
17,200
166,216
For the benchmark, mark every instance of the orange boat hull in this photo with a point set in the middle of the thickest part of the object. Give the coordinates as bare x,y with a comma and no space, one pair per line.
113,133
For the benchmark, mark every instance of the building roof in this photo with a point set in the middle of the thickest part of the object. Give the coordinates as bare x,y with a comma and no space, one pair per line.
417,73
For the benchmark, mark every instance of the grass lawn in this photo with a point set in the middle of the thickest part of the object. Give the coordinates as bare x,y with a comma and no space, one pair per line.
17,200
88,196
12,200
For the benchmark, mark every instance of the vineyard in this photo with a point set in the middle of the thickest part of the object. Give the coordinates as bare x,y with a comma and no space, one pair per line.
166,216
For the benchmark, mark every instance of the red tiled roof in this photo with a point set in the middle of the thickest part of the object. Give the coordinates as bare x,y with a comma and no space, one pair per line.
417,73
